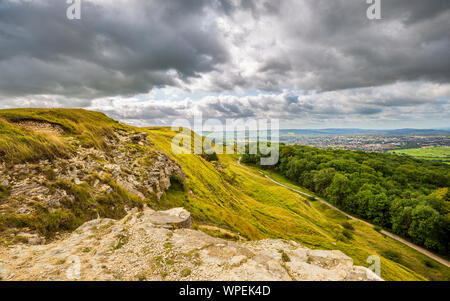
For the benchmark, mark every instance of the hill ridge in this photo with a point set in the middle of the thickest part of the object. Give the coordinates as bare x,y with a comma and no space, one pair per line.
219,194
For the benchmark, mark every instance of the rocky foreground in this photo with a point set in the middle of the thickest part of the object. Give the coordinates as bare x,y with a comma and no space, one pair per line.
157,245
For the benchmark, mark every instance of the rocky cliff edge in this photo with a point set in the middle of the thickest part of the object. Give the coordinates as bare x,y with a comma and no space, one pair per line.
158,245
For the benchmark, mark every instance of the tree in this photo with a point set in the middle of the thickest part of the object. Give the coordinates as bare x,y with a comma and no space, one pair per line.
322,179
379,210
372,203
401,216
425,226
339,189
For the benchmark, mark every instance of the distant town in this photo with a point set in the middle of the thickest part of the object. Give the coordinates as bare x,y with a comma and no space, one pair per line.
372,142
351,139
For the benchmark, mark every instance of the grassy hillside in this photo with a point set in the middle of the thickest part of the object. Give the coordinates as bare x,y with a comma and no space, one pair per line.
18,144
223,194
430,153
30,135
239,199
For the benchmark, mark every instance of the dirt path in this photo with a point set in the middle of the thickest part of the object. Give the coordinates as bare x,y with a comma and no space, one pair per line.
393,236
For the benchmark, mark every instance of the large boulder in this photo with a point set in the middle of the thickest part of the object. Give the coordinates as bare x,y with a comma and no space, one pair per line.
175,218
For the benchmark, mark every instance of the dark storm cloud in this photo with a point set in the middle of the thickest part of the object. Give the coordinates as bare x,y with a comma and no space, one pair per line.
226,108
121,48
412,11
332,45
125,48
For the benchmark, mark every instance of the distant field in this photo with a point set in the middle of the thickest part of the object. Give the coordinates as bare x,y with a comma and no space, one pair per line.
432,153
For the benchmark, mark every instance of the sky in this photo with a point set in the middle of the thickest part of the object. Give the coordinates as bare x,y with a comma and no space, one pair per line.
308,63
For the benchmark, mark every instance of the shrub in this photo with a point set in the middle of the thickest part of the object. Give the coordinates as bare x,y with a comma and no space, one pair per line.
341,237
312,198
392,255
347,226
347,234
210,157
121,241
43,221
170,261
177,183
185,272
429,263
50,174
168,245
4,192
285,257
21,239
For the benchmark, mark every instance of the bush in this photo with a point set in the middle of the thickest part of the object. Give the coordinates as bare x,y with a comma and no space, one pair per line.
285,257
185,272
348,226
4,192
312,198
210,157
43,221
429,263
50,174
122,239
347,234
392,255
177,183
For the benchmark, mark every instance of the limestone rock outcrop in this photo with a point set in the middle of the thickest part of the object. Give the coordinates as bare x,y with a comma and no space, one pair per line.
152,245
131,163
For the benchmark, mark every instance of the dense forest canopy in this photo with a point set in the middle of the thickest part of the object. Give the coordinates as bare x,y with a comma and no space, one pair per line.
408,196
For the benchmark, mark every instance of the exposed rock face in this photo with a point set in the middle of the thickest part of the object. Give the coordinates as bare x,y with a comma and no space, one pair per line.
131,163
41,126
140,138
161,173
28,180
142,247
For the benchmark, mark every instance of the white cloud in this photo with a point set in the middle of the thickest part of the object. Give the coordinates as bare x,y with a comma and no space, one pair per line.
386,106
307,62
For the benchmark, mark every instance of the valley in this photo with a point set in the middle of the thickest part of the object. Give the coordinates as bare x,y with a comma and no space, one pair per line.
225,199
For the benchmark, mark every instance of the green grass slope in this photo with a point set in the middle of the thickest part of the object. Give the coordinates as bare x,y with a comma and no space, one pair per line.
239,199
19,145
222,194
